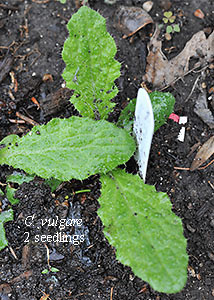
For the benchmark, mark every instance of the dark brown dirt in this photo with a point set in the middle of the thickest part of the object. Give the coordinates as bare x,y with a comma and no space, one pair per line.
31,40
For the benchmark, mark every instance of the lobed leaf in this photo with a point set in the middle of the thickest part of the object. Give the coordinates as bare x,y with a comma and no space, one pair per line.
18,177
148,236
162,105
90,65
69,148
10,192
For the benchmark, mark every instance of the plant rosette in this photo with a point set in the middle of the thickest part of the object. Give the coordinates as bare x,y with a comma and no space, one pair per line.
138,220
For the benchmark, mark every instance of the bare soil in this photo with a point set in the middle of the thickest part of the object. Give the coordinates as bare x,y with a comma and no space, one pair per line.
32,34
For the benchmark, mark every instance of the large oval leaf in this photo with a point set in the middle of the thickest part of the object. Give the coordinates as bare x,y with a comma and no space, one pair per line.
90,65
148,236
69,148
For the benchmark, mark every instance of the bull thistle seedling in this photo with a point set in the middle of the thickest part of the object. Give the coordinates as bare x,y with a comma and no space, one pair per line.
137,220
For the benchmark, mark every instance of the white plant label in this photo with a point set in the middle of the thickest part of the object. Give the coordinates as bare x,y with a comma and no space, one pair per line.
143,130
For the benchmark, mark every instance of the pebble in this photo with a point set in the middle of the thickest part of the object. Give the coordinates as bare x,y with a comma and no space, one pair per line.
190,228
165,4
210,255
147,6
212,223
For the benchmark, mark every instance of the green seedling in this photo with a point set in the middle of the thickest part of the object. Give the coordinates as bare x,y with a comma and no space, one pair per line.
138,220
170,29
52,269
168,17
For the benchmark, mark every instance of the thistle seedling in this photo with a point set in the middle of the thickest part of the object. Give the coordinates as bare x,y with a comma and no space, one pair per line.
138,221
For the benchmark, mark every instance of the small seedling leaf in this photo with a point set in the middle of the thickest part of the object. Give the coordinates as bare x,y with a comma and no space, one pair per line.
69,148
162,105
169,29
167,14
54,270
90,65
172,19
5,216
148,236
1,192
45,271
10,195
176,28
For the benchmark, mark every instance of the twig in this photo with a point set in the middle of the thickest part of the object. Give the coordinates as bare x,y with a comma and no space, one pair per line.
212,186
9,7
40,1
193,88
111,294
26,119
17,121
48,256
201,168
204,167
13,252
180,77
180,168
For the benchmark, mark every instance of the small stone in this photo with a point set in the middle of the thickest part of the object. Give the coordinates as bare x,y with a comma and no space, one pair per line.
203,85
147,6
190,228
210,255
165,4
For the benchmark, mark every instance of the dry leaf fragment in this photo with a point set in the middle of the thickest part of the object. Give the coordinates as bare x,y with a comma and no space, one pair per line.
199,14
206,150
162,72
130,19
203,111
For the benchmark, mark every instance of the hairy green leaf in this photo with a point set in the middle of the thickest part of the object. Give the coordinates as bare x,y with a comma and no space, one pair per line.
53,183
16,177
126,119
162,105
148,236
10,192
90,65
69,148
5,216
